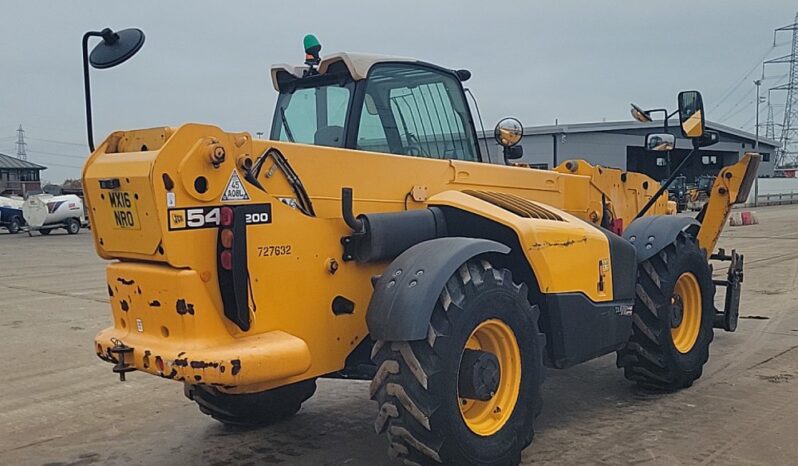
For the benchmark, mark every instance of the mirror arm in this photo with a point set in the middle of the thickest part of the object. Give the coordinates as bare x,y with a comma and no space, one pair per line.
87,86
668,182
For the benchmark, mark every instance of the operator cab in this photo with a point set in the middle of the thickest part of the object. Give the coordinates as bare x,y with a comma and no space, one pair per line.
375,103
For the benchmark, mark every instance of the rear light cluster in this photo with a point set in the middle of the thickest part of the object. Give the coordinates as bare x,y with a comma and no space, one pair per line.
226,238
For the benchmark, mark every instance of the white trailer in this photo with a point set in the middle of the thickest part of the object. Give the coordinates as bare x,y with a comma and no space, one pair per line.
45,212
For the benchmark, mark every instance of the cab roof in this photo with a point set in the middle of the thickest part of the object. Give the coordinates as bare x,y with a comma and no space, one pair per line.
358,65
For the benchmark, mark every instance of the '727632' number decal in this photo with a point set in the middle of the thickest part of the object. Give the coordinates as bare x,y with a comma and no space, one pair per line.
278,250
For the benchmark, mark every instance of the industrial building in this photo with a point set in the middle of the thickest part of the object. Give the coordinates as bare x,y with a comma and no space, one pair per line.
620,145
19,177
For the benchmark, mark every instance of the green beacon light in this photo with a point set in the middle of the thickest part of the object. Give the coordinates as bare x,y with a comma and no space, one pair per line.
312,49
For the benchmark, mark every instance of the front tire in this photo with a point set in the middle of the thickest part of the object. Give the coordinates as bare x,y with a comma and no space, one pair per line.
672,320
14,226
431,395
251,409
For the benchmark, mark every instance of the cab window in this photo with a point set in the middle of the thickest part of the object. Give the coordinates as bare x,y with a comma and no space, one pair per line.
313,115
416,111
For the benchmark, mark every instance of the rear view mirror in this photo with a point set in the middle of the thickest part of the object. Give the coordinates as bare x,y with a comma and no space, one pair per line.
660,142
640,115
508,132
709,138
691,114
514,152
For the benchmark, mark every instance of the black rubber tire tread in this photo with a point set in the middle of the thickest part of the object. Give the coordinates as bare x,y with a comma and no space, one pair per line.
14,226
72,224
251,409
422,428
650,357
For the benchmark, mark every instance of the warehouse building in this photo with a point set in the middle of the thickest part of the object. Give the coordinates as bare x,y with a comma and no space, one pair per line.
620,145
19,177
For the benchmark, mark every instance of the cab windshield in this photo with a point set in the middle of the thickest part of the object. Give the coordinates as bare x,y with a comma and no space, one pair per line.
417,111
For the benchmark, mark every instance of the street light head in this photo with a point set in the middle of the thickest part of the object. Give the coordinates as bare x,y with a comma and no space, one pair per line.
116,47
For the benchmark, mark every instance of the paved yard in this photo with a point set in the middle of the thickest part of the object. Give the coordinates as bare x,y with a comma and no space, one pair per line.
60,405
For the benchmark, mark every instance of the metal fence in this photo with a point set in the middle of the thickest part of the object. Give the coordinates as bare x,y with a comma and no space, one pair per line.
773,191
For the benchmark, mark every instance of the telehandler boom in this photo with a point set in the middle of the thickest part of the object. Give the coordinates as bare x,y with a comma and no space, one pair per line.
368,238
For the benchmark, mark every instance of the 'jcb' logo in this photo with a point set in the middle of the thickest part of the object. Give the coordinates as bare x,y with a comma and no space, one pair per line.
177,219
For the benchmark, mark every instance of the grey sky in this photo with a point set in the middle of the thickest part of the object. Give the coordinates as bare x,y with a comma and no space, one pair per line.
208,61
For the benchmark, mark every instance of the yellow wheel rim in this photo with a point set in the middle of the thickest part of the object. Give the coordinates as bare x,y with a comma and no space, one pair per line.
488,417
685,312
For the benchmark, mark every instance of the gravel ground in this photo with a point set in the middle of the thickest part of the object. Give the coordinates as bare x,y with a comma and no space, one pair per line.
60,405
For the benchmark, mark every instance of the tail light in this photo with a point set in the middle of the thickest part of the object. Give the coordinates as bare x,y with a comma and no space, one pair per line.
226,259
226,238
226,214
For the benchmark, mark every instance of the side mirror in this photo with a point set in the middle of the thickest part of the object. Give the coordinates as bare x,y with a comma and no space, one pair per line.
508,132
514,152
660,142
709,138
691,114
640,115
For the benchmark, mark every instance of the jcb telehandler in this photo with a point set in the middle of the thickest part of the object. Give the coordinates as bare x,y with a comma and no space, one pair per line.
368,238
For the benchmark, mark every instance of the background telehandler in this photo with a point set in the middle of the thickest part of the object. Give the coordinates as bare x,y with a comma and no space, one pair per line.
368,239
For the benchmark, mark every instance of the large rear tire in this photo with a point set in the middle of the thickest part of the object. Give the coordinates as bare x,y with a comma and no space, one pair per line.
432,393
251,409
672,320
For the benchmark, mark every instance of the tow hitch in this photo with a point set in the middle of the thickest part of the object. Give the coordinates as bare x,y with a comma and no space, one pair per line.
727,320
119,350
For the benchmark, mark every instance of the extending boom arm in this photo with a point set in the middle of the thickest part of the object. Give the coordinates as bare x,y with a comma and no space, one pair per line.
731,187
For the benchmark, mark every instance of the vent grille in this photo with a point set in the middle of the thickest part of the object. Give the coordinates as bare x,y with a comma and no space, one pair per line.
517,205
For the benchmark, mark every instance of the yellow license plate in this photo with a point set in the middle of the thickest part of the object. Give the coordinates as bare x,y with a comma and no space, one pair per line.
123,210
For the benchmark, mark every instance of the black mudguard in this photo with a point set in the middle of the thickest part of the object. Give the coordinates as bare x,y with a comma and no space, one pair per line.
405,294
650,235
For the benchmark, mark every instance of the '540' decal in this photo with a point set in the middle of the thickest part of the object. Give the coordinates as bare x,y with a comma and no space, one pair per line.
211,217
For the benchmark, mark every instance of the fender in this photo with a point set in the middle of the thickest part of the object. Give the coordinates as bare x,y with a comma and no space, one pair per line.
405,294
652,234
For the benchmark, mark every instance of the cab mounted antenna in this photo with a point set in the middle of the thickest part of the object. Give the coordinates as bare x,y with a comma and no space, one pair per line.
312,58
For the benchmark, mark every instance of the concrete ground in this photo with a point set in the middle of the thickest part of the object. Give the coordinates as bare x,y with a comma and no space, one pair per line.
60,405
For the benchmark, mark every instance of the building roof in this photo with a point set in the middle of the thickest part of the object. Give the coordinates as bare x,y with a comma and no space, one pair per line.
632,125
6,161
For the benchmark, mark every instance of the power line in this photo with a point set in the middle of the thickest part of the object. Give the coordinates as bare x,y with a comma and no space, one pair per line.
58,154
744,107
745,78
63,165
737,104
56,141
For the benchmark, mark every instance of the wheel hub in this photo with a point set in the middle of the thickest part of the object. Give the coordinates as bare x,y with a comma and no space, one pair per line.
677,311
479,375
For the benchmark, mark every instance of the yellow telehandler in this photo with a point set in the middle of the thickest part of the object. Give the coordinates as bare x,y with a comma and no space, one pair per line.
368,238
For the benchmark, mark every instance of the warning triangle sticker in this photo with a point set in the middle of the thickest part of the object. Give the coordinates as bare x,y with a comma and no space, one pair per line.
235,190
